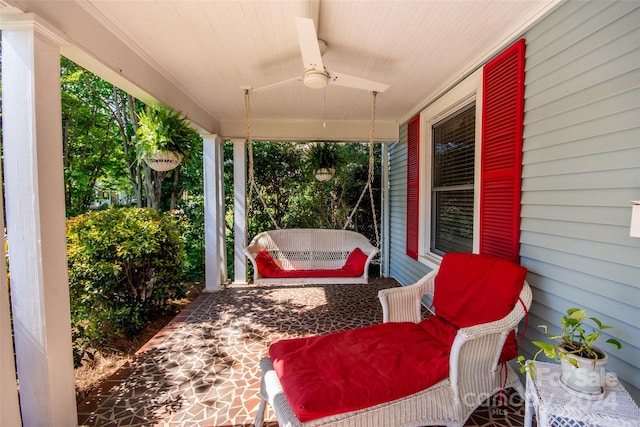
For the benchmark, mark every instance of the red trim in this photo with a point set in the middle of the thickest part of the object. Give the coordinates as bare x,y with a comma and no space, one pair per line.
501,159
413,185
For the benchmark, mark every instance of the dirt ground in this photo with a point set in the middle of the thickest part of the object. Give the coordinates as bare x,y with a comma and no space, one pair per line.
115,354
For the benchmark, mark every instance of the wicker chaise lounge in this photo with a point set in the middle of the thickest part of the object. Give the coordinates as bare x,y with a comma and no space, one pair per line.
407,371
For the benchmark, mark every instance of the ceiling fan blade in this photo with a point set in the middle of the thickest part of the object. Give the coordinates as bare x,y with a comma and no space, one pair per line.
308,39
340,79
273,85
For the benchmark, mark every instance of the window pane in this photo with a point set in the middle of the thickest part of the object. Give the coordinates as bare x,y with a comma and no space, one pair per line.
453,228
453,176
454,149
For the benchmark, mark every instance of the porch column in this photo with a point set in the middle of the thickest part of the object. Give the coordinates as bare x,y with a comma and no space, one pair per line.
214,230
9,409
239,211
35,213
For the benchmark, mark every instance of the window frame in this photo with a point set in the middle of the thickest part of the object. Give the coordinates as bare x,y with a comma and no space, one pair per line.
464,93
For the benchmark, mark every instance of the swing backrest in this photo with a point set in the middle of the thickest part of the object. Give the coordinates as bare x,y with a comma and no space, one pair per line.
308,248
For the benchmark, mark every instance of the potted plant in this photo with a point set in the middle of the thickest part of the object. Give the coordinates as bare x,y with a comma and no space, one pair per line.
324,158
164,138
583,364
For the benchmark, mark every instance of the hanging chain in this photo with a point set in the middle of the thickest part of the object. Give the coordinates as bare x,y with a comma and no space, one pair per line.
372,167
252,181
370,177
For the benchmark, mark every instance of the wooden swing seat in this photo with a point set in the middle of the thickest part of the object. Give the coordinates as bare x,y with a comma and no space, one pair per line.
310,256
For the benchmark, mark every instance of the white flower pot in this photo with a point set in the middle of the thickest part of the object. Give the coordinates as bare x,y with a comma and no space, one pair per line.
588,378
325,174
163,161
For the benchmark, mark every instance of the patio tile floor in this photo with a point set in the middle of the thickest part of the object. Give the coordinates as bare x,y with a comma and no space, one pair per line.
202,369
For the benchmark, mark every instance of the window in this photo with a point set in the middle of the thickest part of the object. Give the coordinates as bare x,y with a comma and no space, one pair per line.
450,131
469,160
452,194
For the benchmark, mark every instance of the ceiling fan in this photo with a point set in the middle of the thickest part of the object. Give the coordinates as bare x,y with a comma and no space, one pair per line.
316,76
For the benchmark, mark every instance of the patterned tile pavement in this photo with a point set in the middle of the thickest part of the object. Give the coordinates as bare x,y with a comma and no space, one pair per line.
202,369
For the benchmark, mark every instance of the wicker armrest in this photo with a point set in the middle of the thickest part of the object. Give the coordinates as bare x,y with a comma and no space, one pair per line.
404,304
485,341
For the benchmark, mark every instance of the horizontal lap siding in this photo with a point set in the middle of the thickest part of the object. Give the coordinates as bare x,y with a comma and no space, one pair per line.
581,167
402,267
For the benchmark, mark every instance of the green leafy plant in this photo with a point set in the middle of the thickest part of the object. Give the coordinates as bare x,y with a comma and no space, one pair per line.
573,340
125,267
324,155
190,217
161,128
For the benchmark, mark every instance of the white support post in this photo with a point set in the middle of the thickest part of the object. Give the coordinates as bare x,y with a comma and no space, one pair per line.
220,220
214,230
239,211
35,213
9,407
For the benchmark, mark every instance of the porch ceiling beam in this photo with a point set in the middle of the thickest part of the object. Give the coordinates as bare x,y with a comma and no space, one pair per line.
311,130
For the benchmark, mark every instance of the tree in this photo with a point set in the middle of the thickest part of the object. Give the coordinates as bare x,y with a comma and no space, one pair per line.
101,152
296,199
279,176
91,138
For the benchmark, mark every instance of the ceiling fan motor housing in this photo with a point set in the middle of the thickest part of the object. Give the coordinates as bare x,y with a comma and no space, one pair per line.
316,79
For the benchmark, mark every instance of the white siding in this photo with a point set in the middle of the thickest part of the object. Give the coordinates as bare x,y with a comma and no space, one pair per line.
581,167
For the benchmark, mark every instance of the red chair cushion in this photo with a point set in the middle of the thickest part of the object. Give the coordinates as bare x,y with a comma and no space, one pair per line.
471,289
510,348
353,267
293,274
355,262
267,267
346,371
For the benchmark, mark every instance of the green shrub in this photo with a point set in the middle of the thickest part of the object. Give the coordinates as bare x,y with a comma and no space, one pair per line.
125,265
190,215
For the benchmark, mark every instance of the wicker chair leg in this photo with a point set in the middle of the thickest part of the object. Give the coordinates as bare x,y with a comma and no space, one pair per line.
259,420
260,414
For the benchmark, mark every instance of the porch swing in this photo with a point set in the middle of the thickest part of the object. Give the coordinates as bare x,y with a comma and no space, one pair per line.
309,255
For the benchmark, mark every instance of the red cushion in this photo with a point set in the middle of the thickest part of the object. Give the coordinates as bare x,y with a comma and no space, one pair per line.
267,267
346,371
510,348
353,267
471,289
339,272
355,262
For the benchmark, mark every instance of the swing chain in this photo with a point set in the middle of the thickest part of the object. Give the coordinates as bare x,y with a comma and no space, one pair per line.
370,177
252,182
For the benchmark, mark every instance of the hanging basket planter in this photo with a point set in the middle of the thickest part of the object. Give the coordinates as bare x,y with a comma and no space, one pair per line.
164,138
163,161
324,158
325,174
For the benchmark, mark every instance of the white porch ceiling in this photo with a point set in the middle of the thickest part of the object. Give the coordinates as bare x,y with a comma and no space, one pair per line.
196,56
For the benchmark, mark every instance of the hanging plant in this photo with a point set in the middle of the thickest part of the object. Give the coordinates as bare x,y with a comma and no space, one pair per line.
324,158
164,138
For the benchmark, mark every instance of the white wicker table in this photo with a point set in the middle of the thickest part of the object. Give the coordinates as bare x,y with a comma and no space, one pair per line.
555,406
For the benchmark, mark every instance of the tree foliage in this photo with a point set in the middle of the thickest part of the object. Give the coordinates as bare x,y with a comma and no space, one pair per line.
102,153
283,172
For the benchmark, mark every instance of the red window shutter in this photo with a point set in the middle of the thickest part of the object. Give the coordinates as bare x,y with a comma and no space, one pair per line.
413,187
501,159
